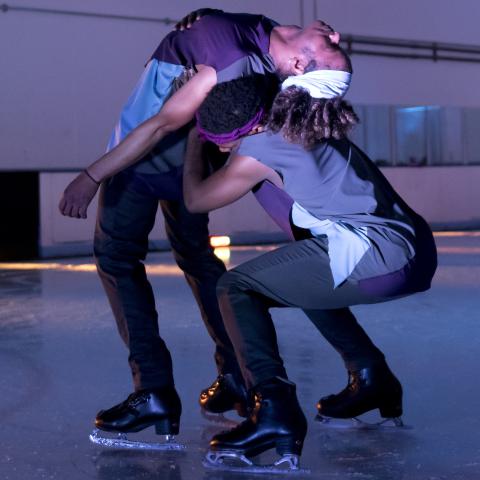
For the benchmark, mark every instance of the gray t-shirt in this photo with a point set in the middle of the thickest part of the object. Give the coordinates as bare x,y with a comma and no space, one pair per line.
338,192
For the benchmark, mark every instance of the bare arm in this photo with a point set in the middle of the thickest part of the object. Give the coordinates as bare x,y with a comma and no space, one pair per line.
176,112
229,183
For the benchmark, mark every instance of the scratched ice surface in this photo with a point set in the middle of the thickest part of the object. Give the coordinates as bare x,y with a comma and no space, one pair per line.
61,361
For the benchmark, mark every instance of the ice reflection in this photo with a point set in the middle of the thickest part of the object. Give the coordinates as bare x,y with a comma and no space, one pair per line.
113,465
26,283
162,269
365,454
61,361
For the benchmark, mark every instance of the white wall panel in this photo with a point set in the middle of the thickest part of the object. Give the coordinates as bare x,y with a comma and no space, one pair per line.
244,220
65,78
379,80
443,195
429,20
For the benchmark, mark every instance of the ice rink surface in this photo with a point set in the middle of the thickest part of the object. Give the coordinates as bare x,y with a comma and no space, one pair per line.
61,361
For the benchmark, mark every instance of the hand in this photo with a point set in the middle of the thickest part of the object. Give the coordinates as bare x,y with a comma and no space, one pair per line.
77,196
186,22
324,28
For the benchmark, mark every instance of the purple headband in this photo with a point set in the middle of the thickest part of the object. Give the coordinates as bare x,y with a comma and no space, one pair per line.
221,138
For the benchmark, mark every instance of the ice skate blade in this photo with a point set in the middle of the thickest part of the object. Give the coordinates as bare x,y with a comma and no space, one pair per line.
122,442
238,462
357,423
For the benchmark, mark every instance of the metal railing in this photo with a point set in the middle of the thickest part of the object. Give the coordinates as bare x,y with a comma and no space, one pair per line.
410,49
354,44
5,8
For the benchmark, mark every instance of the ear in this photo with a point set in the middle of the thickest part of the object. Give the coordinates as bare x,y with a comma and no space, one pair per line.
257,129
297,65
334,38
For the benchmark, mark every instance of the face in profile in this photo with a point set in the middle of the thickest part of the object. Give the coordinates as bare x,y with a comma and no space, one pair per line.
229,146
315,47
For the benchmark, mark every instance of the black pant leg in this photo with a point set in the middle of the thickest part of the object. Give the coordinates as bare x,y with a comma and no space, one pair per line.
189,239
341,329
125,219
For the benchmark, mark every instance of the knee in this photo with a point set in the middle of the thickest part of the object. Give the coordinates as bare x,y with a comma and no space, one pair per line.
115,260
200,263
229,283
104,263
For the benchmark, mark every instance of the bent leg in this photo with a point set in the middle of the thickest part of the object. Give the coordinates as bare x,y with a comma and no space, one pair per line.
125,219
297,275
341,329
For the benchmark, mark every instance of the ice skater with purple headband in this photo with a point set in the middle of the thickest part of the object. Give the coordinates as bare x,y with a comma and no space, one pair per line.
354,241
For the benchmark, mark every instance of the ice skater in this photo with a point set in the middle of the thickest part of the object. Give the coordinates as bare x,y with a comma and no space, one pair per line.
150,140
355,242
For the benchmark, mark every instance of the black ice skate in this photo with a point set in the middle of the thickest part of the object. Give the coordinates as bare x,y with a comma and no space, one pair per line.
276,421
367,389
160,408
226,393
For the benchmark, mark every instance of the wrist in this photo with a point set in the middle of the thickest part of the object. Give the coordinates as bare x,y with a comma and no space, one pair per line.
91,177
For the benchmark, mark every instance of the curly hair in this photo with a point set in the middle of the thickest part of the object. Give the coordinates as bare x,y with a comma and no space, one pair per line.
229,105
306,120
293,112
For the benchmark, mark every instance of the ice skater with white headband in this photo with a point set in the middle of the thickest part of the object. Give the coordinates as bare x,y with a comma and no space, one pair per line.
355,241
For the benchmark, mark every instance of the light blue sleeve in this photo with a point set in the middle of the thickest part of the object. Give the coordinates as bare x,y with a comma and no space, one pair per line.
151,92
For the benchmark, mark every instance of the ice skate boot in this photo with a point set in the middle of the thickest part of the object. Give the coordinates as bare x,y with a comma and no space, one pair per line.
276,421
367,389
159,407
226,393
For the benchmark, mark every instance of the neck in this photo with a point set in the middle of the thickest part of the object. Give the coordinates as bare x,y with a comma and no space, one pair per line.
280,36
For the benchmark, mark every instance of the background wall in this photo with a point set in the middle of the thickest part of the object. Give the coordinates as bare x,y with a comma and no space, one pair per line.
395,81
64,79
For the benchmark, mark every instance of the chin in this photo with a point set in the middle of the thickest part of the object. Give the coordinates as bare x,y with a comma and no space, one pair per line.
283,74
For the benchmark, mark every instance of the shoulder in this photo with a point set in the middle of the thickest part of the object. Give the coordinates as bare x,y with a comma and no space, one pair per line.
342,148
220,40
259,142
238,20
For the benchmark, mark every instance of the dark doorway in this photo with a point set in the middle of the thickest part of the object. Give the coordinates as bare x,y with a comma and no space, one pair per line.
19,219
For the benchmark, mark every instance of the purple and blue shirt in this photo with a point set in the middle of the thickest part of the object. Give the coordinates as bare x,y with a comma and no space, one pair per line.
234,44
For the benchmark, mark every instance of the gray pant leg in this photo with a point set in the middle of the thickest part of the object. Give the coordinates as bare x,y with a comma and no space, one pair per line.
296,275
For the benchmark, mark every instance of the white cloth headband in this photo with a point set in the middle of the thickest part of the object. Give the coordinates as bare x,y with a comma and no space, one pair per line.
321,83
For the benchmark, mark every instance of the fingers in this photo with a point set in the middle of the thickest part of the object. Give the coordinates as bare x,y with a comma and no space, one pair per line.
324,28
82,211
180,25
77,196
68,210
65,207
71,210
329,28
62,204
186,22
74,212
